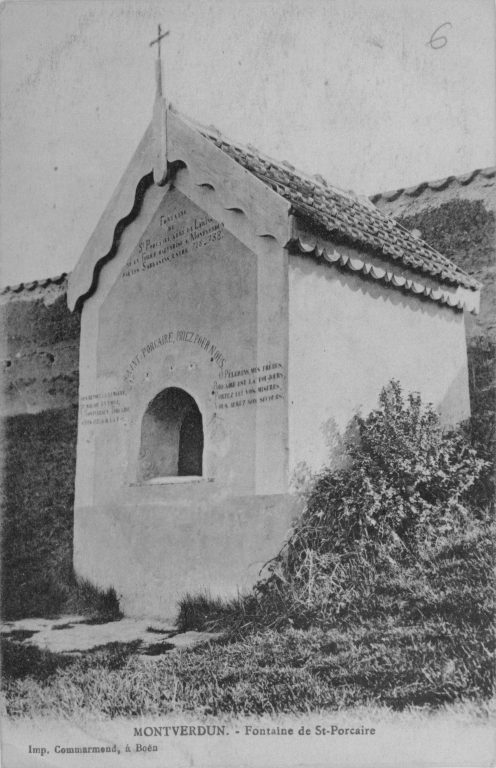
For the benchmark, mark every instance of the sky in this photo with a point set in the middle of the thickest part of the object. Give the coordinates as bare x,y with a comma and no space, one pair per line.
364,92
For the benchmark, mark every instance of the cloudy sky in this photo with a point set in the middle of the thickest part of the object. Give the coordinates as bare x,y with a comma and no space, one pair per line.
364,92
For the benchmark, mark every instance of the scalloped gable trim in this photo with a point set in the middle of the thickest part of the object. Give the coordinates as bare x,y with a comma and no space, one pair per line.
238,190
124,205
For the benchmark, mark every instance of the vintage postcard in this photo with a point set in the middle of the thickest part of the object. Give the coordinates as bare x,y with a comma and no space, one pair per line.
248,354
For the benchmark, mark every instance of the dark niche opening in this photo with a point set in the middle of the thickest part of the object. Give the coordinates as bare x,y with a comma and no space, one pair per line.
171,437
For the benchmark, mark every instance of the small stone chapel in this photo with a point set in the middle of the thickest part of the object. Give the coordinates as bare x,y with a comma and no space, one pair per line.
234,315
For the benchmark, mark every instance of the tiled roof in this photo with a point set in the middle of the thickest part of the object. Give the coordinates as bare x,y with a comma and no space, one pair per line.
435,186
343,213
339,212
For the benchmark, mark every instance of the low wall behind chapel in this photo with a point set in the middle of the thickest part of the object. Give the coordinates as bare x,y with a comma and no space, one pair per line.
39,397
39,348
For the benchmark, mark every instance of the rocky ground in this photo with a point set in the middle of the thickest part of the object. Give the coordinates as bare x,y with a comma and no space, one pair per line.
77,634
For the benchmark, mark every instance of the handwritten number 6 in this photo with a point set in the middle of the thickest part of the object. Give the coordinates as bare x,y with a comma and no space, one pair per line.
442,40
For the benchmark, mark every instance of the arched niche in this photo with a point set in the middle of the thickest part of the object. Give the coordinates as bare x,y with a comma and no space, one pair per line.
171,437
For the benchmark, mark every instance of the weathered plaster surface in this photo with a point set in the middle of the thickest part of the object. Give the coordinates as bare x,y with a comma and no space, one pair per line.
184,305
156,551
347,338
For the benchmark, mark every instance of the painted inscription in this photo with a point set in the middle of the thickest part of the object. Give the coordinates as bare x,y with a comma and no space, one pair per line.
102,408
175,238
249,386
175,337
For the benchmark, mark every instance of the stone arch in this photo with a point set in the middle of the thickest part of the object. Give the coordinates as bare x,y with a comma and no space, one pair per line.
171,437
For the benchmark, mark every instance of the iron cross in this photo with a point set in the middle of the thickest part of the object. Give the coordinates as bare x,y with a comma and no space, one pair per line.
159,38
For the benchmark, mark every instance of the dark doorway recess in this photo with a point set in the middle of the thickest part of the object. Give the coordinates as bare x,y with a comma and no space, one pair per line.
171,437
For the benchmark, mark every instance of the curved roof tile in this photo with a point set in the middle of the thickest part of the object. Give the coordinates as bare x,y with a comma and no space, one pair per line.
338,211
343,213
437,186
31,286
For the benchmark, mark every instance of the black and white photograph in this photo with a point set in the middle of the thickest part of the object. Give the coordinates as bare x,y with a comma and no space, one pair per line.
248,325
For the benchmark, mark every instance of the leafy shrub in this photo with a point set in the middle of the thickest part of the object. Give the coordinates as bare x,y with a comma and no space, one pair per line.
389,544
390,532
386,535
390,539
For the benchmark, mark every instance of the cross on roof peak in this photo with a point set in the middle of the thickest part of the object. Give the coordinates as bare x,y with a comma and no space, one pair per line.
158,67
159,38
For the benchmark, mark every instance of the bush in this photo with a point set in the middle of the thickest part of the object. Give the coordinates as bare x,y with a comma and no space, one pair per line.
392,531
392,549
393,538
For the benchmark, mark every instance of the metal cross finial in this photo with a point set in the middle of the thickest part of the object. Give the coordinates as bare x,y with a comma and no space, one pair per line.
159,38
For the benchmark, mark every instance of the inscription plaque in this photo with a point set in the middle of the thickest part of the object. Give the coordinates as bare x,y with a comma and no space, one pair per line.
102,408
175,238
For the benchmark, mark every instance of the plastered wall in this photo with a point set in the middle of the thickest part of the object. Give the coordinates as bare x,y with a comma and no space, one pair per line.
348,338
180,307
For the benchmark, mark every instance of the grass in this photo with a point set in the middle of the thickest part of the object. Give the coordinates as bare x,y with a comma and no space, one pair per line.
393,554
287,672
85,599
382,597
421,638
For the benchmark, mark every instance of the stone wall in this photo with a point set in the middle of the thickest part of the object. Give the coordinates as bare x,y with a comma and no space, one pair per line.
457,216
39,348
40,366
